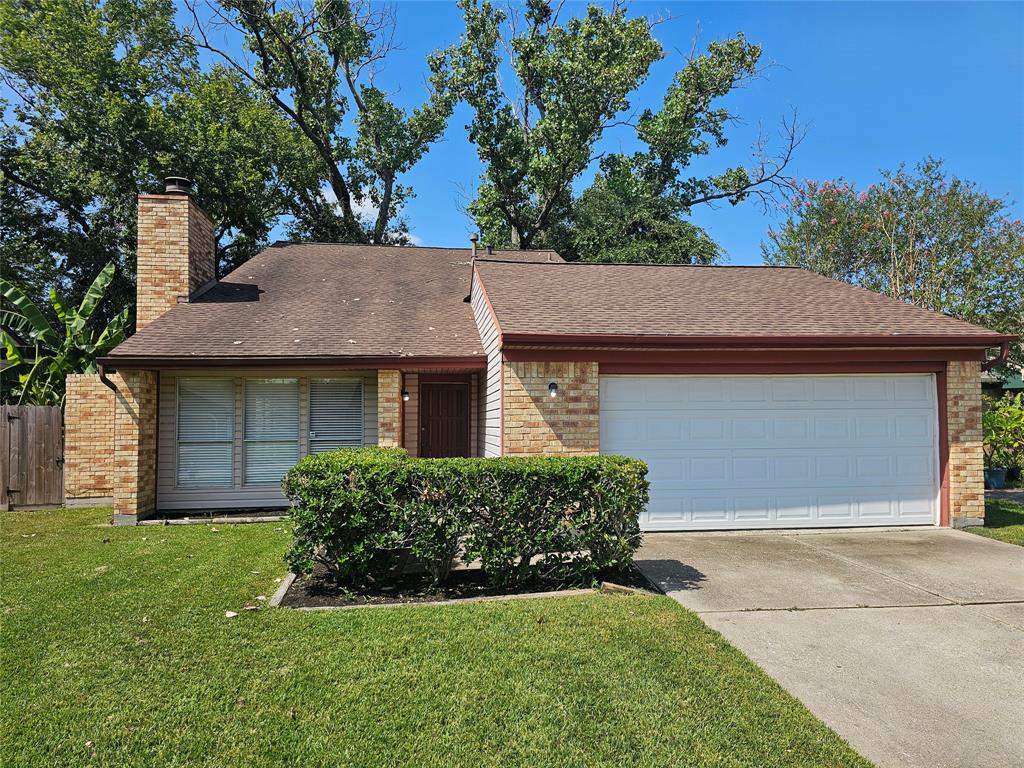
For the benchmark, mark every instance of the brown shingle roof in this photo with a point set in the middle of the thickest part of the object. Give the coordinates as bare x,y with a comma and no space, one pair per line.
582,300
316,300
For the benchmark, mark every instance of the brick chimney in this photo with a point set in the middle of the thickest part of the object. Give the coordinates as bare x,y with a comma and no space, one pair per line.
176,251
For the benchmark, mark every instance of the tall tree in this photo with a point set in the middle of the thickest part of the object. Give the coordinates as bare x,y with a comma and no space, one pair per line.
538,130
78,134
921,236
105,101
317,63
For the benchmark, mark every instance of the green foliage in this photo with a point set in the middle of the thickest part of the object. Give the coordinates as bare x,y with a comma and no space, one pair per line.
1002,425
38,356
548,520
115,653
922,237
105,100
345,518
1004,521
316,63
573,81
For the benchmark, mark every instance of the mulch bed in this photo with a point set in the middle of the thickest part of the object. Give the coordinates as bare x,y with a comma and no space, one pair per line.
319,590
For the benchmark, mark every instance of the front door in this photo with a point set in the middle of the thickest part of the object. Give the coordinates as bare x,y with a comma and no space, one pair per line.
444,419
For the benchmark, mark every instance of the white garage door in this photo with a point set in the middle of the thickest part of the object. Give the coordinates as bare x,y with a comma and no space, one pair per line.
778,451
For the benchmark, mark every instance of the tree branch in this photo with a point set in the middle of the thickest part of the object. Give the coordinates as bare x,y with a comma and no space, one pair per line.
74,214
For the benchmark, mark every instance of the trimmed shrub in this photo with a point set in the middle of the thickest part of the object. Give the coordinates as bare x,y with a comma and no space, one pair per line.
556,519
346,511
545,520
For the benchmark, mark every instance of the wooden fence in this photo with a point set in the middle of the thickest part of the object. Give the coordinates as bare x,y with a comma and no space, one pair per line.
31,456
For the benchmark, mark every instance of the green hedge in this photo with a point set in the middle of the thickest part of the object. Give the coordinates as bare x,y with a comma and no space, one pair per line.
363,512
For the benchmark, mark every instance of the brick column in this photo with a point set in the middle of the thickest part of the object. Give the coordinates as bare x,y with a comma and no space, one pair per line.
88,441
536,423
176,254
135,432
389,408
966,460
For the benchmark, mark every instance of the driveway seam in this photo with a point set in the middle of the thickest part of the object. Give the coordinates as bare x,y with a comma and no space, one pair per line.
878,572
867,607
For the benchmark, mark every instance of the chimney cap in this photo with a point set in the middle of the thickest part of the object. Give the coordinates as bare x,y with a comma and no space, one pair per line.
177,185
473,237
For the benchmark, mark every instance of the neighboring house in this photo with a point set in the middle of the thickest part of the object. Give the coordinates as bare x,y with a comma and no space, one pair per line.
759,397
996,384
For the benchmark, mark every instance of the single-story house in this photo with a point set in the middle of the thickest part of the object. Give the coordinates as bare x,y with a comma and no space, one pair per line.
760,397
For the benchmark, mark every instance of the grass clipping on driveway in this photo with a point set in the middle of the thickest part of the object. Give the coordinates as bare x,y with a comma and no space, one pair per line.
116,651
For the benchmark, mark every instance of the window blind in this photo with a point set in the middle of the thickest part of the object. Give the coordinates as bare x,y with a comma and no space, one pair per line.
205,433
335,414
271,429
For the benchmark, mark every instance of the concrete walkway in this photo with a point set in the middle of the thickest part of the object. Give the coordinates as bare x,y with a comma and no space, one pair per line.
910,644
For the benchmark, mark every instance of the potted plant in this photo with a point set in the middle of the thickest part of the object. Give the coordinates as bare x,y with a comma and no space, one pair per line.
1003,434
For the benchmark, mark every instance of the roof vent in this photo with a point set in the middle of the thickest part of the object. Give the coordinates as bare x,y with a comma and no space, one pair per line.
490,250
472,242
177,185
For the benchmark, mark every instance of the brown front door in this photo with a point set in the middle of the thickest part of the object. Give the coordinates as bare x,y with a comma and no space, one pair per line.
444,419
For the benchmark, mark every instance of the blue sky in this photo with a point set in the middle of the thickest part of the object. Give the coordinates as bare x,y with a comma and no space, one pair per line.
875,83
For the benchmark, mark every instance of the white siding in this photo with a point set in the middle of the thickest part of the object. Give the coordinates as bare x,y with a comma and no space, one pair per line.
489,427
170,497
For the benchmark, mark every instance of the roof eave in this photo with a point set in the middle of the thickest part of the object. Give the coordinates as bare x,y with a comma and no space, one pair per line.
317,361
979,341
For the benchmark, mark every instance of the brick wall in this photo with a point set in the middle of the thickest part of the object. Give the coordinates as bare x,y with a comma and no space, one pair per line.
412,414
135,433
176,253
536,423
389,408
963,418
88,440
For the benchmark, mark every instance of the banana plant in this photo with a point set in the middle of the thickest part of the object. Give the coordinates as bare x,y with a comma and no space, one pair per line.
37,356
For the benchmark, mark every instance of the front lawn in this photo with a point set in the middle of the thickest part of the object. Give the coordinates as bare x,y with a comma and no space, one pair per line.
1004,520
114,650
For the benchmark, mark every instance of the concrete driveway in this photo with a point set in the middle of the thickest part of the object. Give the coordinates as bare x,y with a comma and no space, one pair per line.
910,644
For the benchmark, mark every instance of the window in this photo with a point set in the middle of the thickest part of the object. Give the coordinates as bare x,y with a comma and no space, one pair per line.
335,414
206,431
271,429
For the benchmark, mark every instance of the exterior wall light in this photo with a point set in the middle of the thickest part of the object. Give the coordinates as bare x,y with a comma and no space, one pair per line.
405,395
553,389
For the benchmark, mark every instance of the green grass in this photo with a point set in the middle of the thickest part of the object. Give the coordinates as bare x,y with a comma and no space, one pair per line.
114,650
1004,520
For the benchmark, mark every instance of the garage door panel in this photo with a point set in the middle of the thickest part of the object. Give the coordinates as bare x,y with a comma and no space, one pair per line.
673,427
771,451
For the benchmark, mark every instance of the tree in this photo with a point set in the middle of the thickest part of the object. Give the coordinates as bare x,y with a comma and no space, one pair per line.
78,134
538,133
39,357
106,100
314,62
920,236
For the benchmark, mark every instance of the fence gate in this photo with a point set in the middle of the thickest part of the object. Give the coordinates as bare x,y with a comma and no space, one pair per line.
31,456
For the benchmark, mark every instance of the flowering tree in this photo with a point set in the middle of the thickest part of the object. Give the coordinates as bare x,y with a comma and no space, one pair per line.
920,236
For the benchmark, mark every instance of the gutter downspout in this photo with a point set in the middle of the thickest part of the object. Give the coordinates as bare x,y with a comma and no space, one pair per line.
1002,357
103,378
